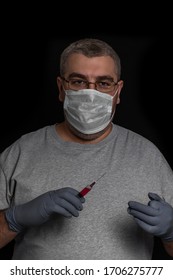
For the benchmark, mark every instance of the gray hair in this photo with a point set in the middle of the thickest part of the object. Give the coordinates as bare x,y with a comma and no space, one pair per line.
90,48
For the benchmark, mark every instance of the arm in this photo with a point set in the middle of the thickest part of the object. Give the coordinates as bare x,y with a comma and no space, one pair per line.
6,235
65,202
168,246
155,218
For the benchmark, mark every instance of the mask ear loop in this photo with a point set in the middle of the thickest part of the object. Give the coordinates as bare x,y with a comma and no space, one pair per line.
113,113
115,94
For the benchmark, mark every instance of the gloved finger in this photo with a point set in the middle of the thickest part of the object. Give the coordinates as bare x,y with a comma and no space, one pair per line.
143,208
67,195
62,211
74,200
146,227
74,192
154,196
82,199
69,190
63,204
150,220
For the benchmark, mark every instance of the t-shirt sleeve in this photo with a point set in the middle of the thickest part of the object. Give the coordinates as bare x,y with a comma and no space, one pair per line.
8,161
165,176
5,200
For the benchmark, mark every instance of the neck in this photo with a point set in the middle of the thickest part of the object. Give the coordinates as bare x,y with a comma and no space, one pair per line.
68,135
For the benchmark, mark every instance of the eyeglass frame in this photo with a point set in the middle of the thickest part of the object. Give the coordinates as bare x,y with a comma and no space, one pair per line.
88,83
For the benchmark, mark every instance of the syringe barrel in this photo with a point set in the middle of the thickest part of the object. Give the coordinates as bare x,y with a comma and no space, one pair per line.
85,190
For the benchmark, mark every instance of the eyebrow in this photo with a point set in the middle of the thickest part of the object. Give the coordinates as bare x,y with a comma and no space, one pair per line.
78,75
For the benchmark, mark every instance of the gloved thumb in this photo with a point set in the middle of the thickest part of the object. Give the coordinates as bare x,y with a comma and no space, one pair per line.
154,196
155,200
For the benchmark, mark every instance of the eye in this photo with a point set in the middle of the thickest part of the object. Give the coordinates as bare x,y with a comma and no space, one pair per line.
104,84
78,82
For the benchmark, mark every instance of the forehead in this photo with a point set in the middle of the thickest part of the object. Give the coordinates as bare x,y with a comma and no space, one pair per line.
90,66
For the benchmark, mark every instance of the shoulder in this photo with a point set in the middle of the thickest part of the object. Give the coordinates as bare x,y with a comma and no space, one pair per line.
131,135
137,150
26,143
135,142
34,136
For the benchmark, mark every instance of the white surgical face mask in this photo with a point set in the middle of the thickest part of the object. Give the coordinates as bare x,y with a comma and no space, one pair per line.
88,110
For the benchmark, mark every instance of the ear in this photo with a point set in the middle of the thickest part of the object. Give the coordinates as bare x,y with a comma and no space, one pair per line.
120,86
60,89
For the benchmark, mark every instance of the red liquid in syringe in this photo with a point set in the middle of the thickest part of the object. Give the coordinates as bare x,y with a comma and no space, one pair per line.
85,190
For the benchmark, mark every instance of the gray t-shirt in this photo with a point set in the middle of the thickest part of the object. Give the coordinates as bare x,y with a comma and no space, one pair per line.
41,161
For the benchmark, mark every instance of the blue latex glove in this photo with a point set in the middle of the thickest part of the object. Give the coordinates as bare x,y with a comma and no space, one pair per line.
37,211
155,218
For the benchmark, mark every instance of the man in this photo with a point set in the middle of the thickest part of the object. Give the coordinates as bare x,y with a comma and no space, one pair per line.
43,172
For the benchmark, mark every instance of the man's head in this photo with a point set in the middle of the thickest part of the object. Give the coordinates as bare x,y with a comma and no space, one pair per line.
91,64
90,48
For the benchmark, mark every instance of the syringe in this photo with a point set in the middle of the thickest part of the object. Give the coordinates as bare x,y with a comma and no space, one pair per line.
85,190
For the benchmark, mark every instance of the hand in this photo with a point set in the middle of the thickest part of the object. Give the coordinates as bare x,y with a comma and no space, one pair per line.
155,218
37,211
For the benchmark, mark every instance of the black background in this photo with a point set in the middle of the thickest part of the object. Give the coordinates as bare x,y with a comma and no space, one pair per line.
31,43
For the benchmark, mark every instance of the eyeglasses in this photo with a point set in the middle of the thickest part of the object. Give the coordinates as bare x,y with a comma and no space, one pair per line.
104,85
